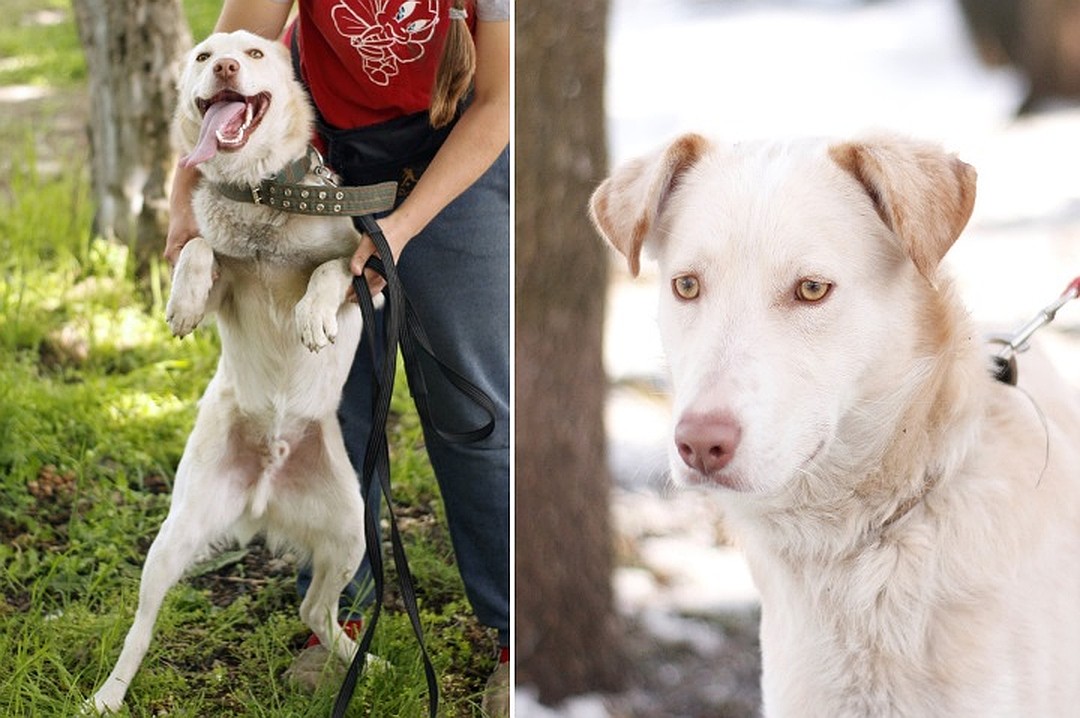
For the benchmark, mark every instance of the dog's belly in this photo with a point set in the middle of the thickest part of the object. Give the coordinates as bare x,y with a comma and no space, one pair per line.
270,461
283,461
268,371
254,447
274,400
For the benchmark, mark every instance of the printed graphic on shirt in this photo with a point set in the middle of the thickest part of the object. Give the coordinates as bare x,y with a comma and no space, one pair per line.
386,33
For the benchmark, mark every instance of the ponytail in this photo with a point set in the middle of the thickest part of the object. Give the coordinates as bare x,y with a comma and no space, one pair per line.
456,68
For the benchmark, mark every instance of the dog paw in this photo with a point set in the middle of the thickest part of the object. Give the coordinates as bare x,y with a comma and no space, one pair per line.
192,283
317,322
183,317
104,702
377,665
187,304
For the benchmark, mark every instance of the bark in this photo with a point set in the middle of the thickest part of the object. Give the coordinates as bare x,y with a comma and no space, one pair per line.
1040,37
566,630
133,51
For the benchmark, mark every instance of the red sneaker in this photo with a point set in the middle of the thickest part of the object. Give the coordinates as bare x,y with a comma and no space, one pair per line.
353,628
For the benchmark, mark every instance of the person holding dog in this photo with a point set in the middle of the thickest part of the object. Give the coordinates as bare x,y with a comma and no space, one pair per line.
418,92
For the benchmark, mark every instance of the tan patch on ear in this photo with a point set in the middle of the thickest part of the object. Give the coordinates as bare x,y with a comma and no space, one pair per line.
850,159
923,194
626,205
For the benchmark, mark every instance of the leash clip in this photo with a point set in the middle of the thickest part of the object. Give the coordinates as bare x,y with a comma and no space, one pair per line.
319,168
1004,362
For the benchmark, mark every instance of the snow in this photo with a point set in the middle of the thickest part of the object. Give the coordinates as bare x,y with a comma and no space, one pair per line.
740,69
766,69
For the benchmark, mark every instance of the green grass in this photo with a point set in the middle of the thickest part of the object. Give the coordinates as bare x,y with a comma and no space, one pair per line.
39,45
201,16
96,401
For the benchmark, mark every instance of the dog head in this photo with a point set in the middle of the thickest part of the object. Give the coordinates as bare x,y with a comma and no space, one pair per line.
241,115
796,280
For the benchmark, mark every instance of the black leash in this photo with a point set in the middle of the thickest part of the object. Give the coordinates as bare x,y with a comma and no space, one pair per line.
401,328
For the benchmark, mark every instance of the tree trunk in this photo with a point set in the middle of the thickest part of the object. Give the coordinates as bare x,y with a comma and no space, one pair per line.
1040,37
133,51
565,623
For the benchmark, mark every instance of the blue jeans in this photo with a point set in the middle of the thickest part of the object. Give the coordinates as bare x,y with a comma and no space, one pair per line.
456,274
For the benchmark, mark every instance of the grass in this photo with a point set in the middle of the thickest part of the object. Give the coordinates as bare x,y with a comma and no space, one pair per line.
96,400
39,45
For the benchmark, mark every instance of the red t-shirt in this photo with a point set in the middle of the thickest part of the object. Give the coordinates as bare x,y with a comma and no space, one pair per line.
368,61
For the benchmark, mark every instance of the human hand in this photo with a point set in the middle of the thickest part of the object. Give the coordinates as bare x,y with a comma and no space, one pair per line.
182,229
396,241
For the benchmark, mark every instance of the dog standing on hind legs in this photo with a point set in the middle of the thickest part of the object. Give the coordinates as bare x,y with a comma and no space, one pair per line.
266,454
912,524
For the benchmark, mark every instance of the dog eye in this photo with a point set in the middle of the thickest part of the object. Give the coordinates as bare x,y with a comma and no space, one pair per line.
255,53
811,290
202,57
686,286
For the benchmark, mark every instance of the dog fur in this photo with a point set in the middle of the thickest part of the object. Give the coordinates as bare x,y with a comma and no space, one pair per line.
913,526
266,454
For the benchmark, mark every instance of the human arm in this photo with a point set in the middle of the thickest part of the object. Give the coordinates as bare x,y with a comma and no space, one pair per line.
476,141
262,17
182,225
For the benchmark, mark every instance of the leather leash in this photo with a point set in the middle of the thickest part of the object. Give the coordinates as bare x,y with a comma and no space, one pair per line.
401,327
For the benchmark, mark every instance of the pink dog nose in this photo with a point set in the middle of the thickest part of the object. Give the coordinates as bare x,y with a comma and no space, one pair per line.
707,442
225,69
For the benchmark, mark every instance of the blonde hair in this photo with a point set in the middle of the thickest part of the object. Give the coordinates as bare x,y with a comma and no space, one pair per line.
456,68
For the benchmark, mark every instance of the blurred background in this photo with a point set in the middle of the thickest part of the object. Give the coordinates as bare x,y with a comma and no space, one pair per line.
995,81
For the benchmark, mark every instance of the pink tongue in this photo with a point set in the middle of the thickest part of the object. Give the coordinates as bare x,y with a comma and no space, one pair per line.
216,116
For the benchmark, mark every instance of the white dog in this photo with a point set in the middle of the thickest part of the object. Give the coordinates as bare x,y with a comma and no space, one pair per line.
266,454
913,525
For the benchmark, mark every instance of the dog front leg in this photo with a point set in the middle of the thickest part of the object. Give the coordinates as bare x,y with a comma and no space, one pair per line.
193,281
316,312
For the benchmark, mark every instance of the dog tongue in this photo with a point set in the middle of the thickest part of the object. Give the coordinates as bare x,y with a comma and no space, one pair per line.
216,116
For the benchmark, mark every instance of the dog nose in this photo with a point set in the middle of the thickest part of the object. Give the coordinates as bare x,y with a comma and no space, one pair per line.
707,441
226,68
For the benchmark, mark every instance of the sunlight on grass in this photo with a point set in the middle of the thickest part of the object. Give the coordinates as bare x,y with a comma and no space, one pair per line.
139,406
39,45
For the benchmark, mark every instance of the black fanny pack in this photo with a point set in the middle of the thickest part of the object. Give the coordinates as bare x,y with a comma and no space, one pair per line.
398,150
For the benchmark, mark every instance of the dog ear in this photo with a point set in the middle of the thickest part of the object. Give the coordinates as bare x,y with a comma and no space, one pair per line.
922,193
625,206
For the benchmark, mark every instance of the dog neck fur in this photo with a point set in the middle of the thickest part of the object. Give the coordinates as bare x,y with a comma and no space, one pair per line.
833,552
